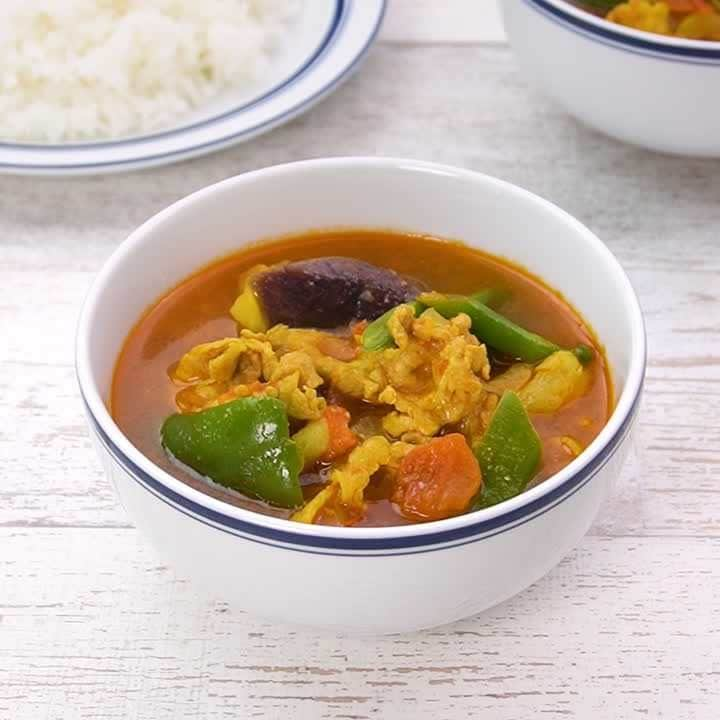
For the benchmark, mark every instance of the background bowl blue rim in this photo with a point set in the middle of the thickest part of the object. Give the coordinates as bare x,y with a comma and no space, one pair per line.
630,43
364,546
218,143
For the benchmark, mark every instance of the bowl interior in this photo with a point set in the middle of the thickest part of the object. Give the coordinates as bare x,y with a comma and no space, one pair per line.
400,195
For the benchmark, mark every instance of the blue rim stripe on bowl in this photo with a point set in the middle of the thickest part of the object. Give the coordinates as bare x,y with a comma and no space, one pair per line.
336,25
628,43
227,140
374,547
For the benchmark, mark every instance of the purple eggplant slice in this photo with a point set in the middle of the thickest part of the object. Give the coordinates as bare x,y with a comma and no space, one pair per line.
331,291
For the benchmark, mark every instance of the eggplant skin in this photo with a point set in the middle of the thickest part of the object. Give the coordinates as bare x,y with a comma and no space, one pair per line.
331,291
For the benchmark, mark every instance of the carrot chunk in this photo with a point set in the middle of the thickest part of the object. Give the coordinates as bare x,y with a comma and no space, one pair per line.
342,438
437,480
340,348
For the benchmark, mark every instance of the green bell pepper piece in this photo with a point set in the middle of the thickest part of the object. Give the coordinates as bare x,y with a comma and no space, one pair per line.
497,331
377,335
243,445
508,454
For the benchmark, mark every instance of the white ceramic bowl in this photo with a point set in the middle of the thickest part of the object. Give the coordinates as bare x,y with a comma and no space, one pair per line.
653,91
370,580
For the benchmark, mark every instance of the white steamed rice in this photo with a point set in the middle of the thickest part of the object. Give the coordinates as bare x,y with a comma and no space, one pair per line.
91,69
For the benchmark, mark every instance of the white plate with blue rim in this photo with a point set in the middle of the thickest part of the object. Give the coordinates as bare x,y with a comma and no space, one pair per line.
327,44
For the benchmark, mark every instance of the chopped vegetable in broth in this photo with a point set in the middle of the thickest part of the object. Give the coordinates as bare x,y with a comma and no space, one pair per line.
361,378
691,19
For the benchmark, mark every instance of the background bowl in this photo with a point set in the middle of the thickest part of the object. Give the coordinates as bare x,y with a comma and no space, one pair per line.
645,89
362,579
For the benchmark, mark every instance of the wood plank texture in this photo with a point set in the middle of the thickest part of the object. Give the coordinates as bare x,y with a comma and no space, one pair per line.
449,21
91,626
108,633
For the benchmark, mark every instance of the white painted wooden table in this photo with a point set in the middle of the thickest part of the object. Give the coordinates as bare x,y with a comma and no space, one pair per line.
93,626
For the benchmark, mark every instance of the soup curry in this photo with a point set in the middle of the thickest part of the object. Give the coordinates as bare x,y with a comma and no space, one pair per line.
361,378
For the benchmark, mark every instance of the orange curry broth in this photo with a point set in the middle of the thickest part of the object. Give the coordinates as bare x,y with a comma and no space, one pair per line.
197,311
